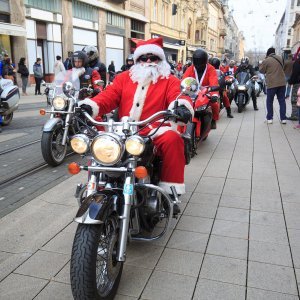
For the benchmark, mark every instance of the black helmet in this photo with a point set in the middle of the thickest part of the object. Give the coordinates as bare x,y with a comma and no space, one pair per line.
79,55
200,58
245,61
215,62
91,52
129,58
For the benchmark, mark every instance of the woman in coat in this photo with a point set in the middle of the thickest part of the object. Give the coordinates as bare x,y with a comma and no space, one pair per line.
23,70
38,75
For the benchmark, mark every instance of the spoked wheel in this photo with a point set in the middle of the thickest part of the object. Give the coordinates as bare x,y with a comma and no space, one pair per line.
52,149
95,272
7,119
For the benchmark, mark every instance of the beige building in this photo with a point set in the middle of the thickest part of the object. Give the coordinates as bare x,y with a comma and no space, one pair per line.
296,34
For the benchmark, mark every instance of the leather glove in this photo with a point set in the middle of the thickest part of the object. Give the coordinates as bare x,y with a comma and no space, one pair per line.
95,92
87,108
183,113
214,99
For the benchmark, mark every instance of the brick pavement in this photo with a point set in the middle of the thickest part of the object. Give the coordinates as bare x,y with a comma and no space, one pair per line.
238,236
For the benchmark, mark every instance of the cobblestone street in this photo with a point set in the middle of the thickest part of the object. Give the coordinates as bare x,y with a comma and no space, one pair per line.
238,236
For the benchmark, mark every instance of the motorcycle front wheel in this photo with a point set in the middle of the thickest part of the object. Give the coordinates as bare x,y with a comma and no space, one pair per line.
52,150
240,103
7,119
95,273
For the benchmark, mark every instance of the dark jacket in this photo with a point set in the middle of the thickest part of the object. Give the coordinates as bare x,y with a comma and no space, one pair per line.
8,69
248,68
23,70
295,77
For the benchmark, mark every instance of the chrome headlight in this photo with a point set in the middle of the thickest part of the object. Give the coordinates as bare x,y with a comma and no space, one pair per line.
242,87
135,145
80,143
107,149
59,103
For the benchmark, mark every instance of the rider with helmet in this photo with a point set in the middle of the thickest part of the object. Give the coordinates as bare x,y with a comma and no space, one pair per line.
206,75
94,62
86,75
231,67
129,63
215,62
246,67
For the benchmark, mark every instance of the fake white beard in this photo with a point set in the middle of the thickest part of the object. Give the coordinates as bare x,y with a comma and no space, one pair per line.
144,73
76,73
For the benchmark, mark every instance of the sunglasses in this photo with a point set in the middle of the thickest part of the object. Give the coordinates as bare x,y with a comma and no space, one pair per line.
145,58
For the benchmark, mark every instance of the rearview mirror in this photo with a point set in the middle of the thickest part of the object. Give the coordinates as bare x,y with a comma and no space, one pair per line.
68,88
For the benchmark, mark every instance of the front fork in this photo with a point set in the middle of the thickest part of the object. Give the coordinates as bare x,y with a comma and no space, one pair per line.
67,123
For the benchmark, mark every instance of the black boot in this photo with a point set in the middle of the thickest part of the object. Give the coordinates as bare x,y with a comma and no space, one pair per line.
213,124
229,115
176,208
255,104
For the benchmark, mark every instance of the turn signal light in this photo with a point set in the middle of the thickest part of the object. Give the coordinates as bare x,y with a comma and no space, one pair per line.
140,172
42,112
73,168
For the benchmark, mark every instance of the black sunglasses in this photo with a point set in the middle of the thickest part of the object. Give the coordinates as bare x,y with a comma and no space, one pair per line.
152,58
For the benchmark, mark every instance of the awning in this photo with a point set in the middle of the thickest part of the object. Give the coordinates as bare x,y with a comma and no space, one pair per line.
12,29
171,46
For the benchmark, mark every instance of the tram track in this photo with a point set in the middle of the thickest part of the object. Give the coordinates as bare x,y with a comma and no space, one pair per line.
19,147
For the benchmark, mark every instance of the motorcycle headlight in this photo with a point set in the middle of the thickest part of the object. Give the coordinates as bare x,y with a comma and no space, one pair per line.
107,149
135,145
242,88
202,107
80,143
59,103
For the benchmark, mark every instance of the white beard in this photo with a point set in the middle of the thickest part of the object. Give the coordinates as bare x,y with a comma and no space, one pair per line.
144,73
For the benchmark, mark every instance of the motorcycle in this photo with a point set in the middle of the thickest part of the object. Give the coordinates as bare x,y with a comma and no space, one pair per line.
244,89
262,84
121,201
230,85
200,126
9,100
61,125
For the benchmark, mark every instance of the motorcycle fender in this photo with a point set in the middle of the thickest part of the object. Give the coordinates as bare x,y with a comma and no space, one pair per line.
51,124
97,207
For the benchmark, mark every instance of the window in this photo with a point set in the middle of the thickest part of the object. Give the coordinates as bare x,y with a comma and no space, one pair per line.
288,43
197,35
189,29
84,11
163,15
115,20
155,10
290,31
183,23
137,29
292,4
298,2
54,5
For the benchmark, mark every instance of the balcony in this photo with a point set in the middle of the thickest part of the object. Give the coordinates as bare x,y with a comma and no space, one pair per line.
222,32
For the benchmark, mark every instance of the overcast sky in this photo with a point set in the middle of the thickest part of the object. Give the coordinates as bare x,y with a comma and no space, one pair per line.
258,19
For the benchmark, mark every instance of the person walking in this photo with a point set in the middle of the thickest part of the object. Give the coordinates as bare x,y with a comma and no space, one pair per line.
111,71
295,81
272,67
23,70
287,68
38,75
59,67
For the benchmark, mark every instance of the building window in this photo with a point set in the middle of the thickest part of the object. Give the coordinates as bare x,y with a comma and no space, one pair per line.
189,29
115,20
288,43
163,15
290,31
54,5
197,35
84,11
292,4
137,29
298,3
155,10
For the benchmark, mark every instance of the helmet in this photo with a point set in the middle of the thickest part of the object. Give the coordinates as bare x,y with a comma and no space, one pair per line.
188,62
79,55
245,61
215,62
200,58
231,63
91,52
129,58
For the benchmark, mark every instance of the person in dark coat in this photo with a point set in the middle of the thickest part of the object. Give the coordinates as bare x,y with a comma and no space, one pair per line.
295,81
8,70
23,70
38,75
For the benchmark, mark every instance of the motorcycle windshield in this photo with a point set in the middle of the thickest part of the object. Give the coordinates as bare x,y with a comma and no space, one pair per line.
242,77
64,77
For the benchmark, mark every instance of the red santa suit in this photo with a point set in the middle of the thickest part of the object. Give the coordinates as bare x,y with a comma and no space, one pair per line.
229,69
140,101
209,78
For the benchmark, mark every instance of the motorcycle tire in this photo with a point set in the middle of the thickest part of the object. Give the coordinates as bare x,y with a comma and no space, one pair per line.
7,119
191,130
52,150
86,257
240,103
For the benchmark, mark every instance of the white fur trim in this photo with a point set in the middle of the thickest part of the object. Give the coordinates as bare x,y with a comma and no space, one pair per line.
180,187
139,98
91,103
184,102
162,130
150,48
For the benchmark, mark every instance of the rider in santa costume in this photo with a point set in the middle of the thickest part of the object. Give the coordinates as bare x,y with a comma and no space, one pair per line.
206,75
142,91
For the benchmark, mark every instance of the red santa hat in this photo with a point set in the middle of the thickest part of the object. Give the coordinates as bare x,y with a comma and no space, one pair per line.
154,46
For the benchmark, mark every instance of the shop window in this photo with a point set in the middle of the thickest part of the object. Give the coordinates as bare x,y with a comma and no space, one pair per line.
137,29
53,5
115,20
84,11
4,18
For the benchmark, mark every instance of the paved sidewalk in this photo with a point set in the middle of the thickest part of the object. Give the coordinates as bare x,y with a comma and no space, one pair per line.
238,236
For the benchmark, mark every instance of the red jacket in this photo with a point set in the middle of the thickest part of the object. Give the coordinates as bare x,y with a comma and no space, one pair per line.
227,69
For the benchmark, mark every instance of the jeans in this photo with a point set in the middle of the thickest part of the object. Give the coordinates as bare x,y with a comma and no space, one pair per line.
24,84
279,92
288,87
38,85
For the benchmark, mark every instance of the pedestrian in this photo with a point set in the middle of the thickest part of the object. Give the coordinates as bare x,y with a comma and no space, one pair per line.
298,108
295,81
68,61
287,67
272,67
111,71
59,67
8,70
38,75
23,70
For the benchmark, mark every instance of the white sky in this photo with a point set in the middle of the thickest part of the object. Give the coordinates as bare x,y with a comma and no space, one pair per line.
258,19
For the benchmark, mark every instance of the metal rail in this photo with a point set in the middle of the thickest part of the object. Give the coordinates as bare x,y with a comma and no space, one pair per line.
19,147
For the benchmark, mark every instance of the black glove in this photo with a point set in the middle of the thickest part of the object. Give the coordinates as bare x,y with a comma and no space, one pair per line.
87,108
95,92
214,99
183,113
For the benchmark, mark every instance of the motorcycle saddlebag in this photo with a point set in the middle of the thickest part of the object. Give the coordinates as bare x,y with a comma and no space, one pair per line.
10,97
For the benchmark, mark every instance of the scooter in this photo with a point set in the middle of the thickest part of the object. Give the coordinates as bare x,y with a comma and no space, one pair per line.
9,100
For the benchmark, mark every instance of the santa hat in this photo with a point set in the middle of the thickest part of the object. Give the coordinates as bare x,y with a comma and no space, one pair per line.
154,46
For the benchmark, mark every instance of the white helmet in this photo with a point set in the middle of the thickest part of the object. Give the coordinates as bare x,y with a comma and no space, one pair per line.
91,52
